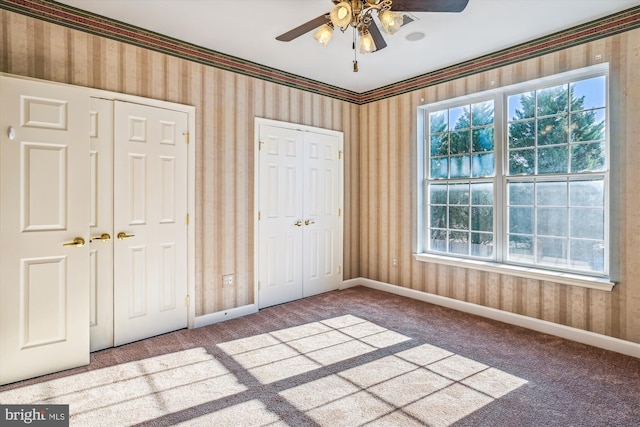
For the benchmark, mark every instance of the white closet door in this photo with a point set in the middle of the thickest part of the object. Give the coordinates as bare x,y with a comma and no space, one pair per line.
322,201
44,189
101,224
281,210
150,210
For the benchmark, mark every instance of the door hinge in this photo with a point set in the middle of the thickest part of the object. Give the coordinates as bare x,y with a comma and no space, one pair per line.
259,284
260,145
339,212
187,300
187,219
339,154
258,215
339,269
186,137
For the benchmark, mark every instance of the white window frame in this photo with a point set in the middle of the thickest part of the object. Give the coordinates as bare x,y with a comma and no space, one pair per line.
499,263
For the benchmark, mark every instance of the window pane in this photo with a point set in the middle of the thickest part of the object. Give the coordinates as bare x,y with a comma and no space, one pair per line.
521,106
587,126
481,219
589,93
459,118
482,139
482,194
438,194
553,100
459,218
553,160
587,255
551,193
552,252
587,223
522,162
460,167
521,249
438,121
438,217
439,168
483,165
522,134
439,144
438,240
521,220
587,157
552,222
459,242
460,142
459,194
482,245
521,193
586,193
482,113
553,130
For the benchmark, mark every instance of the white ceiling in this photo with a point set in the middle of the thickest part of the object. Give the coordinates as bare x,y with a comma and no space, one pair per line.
247,29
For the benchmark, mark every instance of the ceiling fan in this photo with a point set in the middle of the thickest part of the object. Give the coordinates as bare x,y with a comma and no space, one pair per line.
358,14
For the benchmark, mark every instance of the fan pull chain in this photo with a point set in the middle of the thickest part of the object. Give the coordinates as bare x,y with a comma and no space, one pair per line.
355,53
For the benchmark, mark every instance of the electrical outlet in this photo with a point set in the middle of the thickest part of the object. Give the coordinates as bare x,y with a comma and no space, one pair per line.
227,280
394,262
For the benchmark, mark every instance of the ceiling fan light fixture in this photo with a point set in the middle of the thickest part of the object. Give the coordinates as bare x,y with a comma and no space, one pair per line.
367,45
391,21
324,34
341,14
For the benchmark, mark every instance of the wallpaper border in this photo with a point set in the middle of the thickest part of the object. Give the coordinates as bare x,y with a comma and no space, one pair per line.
70,17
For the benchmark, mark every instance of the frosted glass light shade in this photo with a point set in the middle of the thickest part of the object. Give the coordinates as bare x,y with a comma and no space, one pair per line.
323,35
341,14
367,45
391,21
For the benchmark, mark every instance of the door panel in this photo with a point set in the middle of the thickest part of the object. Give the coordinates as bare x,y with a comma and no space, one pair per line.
45,204
321,252
101,223
150,209
280,239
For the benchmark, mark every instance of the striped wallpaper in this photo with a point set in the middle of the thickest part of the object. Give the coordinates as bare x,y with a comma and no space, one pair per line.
379,138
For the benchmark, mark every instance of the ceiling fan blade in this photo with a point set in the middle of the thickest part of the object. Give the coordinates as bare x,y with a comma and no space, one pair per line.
377,36
304,28
429,5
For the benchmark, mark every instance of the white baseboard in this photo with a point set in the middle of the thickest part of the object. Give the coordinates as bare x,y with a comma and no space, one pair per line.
585,337
220,316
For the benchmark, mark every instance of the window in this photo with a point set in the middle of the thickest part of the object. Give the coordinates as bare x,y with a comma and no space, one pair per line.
519,175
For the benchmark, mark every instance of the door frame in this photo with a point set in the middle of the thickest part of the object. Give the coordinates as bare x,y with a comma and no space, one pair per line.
191,177
258,121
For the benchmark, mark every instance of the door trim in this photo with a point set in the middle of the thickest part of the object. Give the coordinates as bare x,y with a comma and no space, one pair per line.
258,121
191,179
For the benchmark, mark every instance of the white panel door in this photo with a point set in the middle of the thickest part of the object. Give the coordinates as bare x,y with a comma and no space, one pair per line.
150,214
44,212
281,210
101,224
322,201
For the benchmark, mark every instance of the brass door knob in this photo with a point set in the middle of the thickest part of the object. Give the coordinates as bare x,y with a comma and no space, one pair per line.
309,222
104,237
298,223
77,242
122,235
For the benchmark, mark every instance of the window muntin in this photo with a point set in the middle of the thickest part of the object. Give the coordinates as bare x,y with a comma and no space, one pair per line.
551,195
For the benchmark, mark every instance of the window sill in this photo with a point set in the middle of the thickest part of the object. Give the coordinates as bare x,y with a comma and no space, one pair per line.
526,272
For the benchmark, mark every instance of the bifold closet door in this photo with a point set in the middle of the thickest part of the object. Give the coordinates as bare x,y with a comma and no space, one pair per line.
44,251
150,221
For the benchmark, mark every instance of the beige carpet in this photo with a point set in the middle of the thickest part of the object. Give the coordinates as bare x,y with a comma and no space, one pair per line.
347,358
